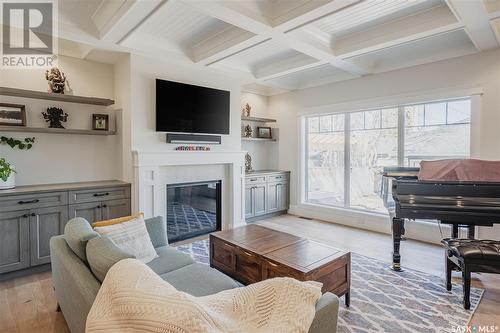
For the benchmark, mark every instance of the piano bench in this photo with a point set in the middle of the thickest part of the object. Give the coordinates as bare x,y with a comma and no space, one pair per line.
470,256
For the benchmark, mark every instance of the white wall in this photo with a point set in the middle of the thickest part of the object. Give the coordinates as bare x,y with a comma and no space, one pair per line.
64,158
474,71
264,153
144,71
123,101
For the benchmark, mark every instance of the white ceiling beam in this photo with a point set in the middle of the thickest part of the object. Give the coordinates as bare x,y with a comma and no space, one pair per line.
408,29
475,17
116,19
344,54
316,49
286,66
311,11
225,44
231,13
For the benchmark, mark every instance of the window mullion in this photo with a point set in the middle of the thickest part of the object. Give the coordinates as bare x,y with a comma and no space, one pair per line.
347,160
401,135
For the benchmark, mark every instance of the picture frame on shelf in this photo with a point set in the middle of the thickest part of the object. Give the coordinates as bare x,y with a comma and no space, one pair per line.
12,114
100,122
264,132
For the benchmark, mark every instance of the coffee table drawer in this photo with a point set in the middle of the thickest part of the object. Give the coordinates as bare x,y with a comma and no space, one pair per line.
271,270
222,255
248,267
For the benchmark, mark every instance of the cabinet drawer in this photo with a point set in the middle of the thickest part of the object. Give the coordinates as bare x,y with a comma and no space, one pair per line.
99,194
255,180
222,255
283,177
248,267
30,201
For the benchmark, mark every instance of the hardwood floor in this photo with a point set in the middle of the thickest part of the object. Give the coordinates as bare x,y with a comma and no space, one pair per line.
28,304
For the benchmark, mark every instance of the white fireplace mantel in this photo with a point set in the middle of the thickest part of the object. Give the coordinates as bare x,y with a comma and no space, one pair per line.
149,190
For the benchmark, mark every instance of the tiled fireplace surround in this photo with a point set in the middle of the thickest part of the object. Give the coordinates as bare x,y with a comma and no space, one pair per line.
154,170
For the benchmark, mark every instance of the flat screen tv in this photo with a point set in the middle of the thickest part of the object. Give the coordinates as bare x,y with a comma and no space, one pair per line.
185,108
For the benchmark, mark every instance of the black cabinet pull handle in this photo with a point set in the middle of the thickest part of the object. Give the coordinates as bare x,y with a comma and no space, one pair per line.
99,206
33,214
101,194
104,206
25,215
28,202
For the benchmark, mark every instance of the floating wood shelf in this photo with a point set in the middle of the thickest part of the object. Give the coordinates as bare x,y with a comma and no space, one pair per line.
54,130
257,139
55,97
258,119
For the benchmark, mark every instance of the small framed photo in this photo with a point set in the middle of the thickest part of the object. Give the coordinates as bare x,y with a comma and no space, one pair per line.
100,122
12,114
264,132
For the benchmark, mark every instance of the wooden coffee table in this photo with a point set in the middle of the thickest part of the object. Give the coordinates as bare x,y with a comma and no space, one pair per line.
254,253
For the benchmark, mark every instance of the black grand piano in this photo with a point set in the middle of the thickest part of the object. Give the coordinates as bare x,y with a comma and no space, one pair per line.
460,204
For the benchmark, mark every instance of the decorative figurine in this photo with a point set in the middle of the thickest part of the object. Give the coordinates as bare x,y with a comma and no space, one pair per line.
248,163
56,80
246,110
248,131
54,116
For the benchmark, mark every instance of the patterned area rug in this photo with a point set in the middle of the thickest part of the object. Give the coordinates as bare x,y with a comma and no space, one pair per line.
386,301
186,222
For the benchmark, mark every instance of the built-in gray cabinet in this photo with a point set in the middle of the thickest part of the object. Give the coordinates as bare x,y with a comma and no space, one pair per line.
91,211
255,200
31,215
14,240
248,201
45,223
266,194
115,208
100,210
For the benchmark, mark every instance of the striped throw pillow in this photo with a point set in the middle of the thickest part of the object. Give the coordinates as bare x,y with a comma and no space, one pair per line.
132,237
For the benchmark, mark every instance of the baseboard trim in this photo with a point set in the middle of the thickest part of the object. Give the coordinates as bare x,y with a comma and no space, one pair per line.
428,232
265,216
25,272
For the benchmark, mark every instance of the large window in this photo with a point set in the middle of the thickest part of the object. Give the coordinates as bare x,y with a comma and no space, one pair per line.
346,152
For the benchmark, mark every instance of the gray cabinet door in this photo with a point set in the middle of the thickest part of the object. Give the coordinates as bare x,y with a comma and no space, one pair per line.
283,196
259,199
248,201
272,197
89,211
115,208
14,241
45,223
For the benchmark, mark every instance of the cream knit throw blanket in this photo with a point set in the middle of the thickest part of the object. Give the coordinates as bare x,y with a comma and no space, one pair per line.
133,298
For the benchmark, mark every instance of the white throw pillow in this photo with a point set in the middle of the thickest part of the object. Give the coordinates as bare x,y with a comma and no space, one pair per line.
132,237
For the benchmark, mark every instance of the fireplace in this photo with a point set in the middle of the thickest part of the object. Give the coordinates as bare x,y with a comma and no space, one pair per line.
193,209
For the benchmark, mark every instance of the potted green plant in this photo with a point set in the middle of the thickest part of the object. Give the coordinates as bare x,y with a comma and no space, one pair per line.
7,175
7,172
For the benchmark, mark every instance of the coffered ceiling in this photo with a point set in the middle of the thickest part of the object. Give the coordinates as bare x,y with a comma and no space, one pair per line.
272,46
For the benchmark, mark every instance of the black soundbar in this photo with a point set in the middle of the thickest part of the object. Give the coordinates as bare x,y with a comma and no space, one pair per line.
193,138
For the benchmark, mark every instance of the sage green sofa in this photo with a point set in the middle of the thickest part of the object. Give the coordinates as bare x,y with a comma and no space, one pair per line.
76,282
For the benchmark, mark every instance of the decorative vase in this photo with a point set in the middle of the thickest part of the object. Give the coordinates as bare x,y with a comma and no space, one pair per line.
10,183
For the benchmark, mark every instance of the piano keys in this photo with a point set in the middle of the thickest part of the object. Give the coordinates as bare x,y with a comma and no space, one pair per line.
460,204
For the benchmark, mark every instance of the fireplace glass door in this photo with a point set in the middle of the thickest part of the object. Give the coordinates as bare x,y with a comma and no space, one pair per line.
193,209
